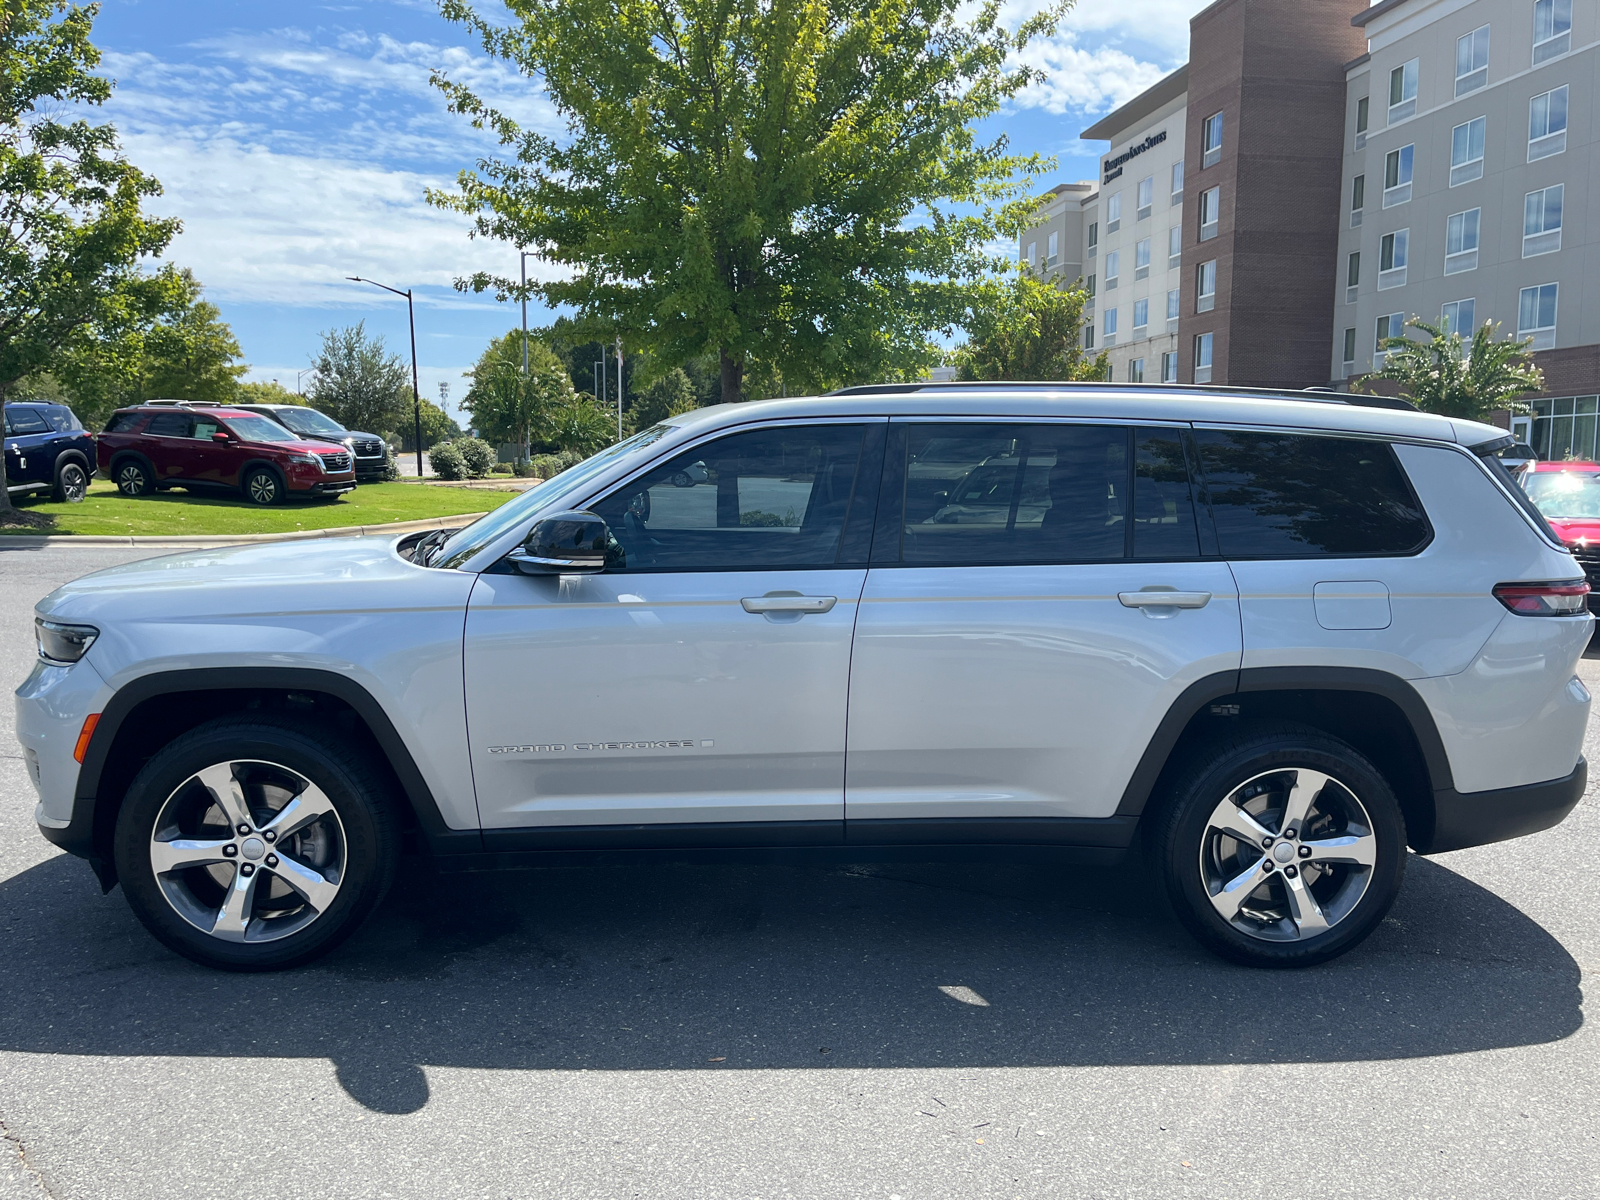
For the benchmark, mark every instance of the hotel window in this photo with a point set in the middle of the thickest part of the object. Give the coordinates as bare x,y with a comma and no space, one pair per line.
1110,327
1114,212
1169,367
1403,91
1174,246
1141,259
1456,317
1552,29
1202,358
1397,176
1174,304
1055,248
1461,241
1349,359
1136,370
1210,203
1141,314
1472,61
1177,182
1094,236
1541,221
1205,287
1088,337
1393,251
1211,141
1033,254
1466,151
1391,326
1090,287
1147,191
1352,277
1547,124
1358,199
1536,315
1363,107
1113,265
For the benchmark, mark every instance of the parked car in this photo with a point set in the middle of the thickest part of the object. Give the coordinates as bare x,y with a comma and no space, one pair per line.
47,450
1275,637
1518,457
365,448
155,447
1568,494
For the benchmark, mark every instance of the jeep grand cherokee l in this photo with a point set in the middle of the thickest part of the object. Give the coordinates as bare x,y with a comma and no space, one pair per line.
1279,638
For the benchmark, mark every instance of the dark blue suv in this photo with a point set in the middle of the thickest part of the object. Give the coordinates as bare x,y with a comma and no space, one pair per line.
47,450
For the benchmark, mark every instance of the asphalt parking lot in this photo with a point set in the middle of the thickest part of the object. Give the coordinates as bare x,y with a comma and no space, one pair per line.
902,1033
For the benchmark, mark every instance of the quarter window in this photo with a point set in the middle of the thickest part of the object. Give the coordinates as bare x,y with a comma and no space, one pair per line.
1461,241
1292,496
1541,221
1403,91
1552,29
1472,61
764,498
1466,151
1547,123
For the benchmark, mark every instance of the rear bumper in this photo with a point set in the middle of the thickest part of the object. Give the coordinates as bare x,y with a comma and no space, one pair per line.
1478,818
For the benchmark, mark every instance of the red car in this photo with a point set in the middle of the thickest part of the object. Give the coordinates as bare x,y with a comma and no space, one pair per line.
155,447
1568,494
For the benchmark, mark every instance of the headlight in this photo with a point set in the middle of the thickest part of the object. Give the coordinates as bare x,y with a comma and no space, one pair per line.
311,460
60,644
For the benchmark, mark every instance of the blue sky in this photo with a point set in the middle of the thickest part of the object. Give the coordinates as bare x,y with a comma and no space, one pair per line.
295,140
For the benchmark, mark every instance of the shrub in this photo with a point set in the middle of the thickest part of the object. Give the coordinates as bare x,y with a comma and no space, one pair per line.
504,469
391,467
547,466
447,461
478,456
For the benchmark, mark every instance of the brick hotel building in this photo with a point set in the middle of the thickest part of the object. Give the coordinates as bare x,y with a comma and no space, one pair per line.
1347,167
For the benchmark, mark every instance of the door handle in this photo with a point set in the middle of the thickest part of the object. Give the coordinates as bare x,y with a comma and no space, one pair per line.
1164,598
788,602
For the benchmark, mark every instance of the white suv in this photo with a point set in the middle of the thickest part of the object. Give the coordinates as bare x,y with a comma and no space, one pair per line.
1279,637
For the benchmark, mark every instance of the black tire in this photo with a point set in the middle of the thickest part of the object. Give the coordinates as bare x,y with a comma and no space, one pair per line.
133,477
262,486
351,782
72,482
1181,835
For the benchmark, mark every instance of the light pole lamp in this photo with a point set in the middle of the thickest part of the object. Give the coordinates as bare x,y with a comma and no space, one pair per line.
416,394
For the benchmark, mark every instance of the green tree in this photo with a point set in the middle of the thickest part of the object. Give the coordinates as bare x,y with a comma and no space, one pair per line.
69,202
1027,329
359,383
436,424
265,392
540,408
797,188
1457,378
668,396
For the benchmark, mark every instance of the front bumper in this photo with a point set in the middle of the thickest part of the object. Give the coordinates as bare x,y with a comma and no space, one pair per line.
1479,818
327,487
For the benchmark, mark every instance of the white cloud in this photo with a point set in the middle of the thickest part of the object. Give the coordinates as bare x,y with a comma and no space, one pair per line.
1083,81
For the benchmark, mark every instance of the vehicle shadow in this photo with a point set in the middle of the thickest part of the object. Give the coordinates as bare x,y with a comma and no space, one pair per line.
723,968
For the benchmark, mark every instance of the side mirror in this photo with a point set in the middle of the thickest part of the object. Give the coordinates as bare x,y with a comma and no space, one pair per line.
569,543
219,436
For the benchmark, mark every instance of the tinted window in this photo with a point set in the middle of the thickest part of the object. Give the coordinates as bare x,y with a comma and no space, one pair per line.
256,429
766,498
62,419
308,420
1014,494
169,425
25,420
1281,495
124,422
1163,501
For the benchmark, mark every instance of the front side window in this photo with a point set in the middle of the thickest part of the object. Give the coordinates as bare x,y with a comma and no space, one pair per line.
1461,241
1210,205
309,420
1015,494
1211,140
1276,495
1541,221
259,429
1141,315
1552,29
1457,317
776,497
1403,91
1472,61
1397,175
1114,212
1536,315
1147,191
1202,358
1174,304
1205,286
1177,180
1547,123
1466,151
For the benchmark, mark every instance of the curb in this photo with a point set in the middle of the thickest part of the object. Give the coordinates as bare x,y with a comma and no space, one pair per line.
206,541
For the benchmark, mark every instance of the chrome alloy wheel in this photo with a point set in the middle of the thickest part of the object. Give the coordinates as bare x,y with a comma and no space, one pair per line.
1287,854
131,479
248,851
263,488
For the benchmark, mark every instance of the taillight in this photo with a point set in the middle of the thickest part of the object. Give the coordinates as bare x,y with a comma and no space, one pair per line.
1563,599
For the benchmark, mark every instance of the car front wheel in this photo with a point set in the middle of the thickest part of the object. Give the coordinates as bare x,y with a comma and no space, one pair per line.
1280,847
256,843
262,486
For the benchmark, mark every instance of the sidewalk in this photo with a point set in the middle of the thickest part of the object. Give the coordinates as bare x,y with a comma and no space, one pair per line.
207,541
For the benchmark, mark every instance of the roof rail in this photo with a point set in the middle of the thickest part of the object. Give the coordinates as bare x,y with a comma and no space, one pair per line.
1314,395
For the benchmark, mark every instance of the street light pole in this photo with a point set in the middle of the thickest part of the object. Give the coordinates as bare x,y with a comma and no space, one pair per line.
416,395
524,313
619,387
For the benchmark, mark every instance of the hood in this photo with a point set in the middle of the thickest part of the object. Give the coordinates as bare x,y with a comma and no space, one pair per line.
304,446
1578,530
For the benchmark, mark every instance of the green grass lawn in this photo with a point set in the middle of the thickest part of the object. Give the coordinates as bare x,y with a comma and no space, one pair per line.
106,512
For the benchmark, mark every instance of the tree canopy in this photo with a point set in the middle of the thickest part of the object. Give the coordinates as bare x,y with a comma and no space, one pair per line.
668,396
1027,329
794,187
1458,378
536,407
359,383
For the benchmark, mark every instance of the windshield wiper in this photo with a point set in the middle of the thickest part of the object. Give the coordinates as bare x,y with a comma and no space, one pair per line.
428,546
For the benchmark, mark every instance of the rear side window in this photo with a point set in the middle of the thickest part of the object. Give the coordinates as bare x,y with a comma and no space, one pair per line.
124,422
62,419
169,425
1294,496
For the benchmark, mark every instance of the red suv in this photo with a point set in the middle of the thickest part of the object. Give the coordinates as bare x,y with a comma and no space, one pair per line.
154,447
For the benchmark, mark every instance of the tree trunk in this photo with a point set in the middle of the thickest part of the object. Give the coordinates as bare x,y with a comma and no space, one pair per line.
732,379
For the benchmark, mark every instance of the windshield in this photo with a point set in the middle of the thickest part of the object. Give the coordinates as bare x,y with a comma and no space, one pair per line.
1565,495
485,529
309,420
258,429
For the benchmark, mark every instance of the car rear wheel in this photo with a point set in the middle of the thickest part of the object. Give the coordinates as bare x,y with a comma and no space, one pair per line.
1280,847
72,483
256,843
133,478
262,486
